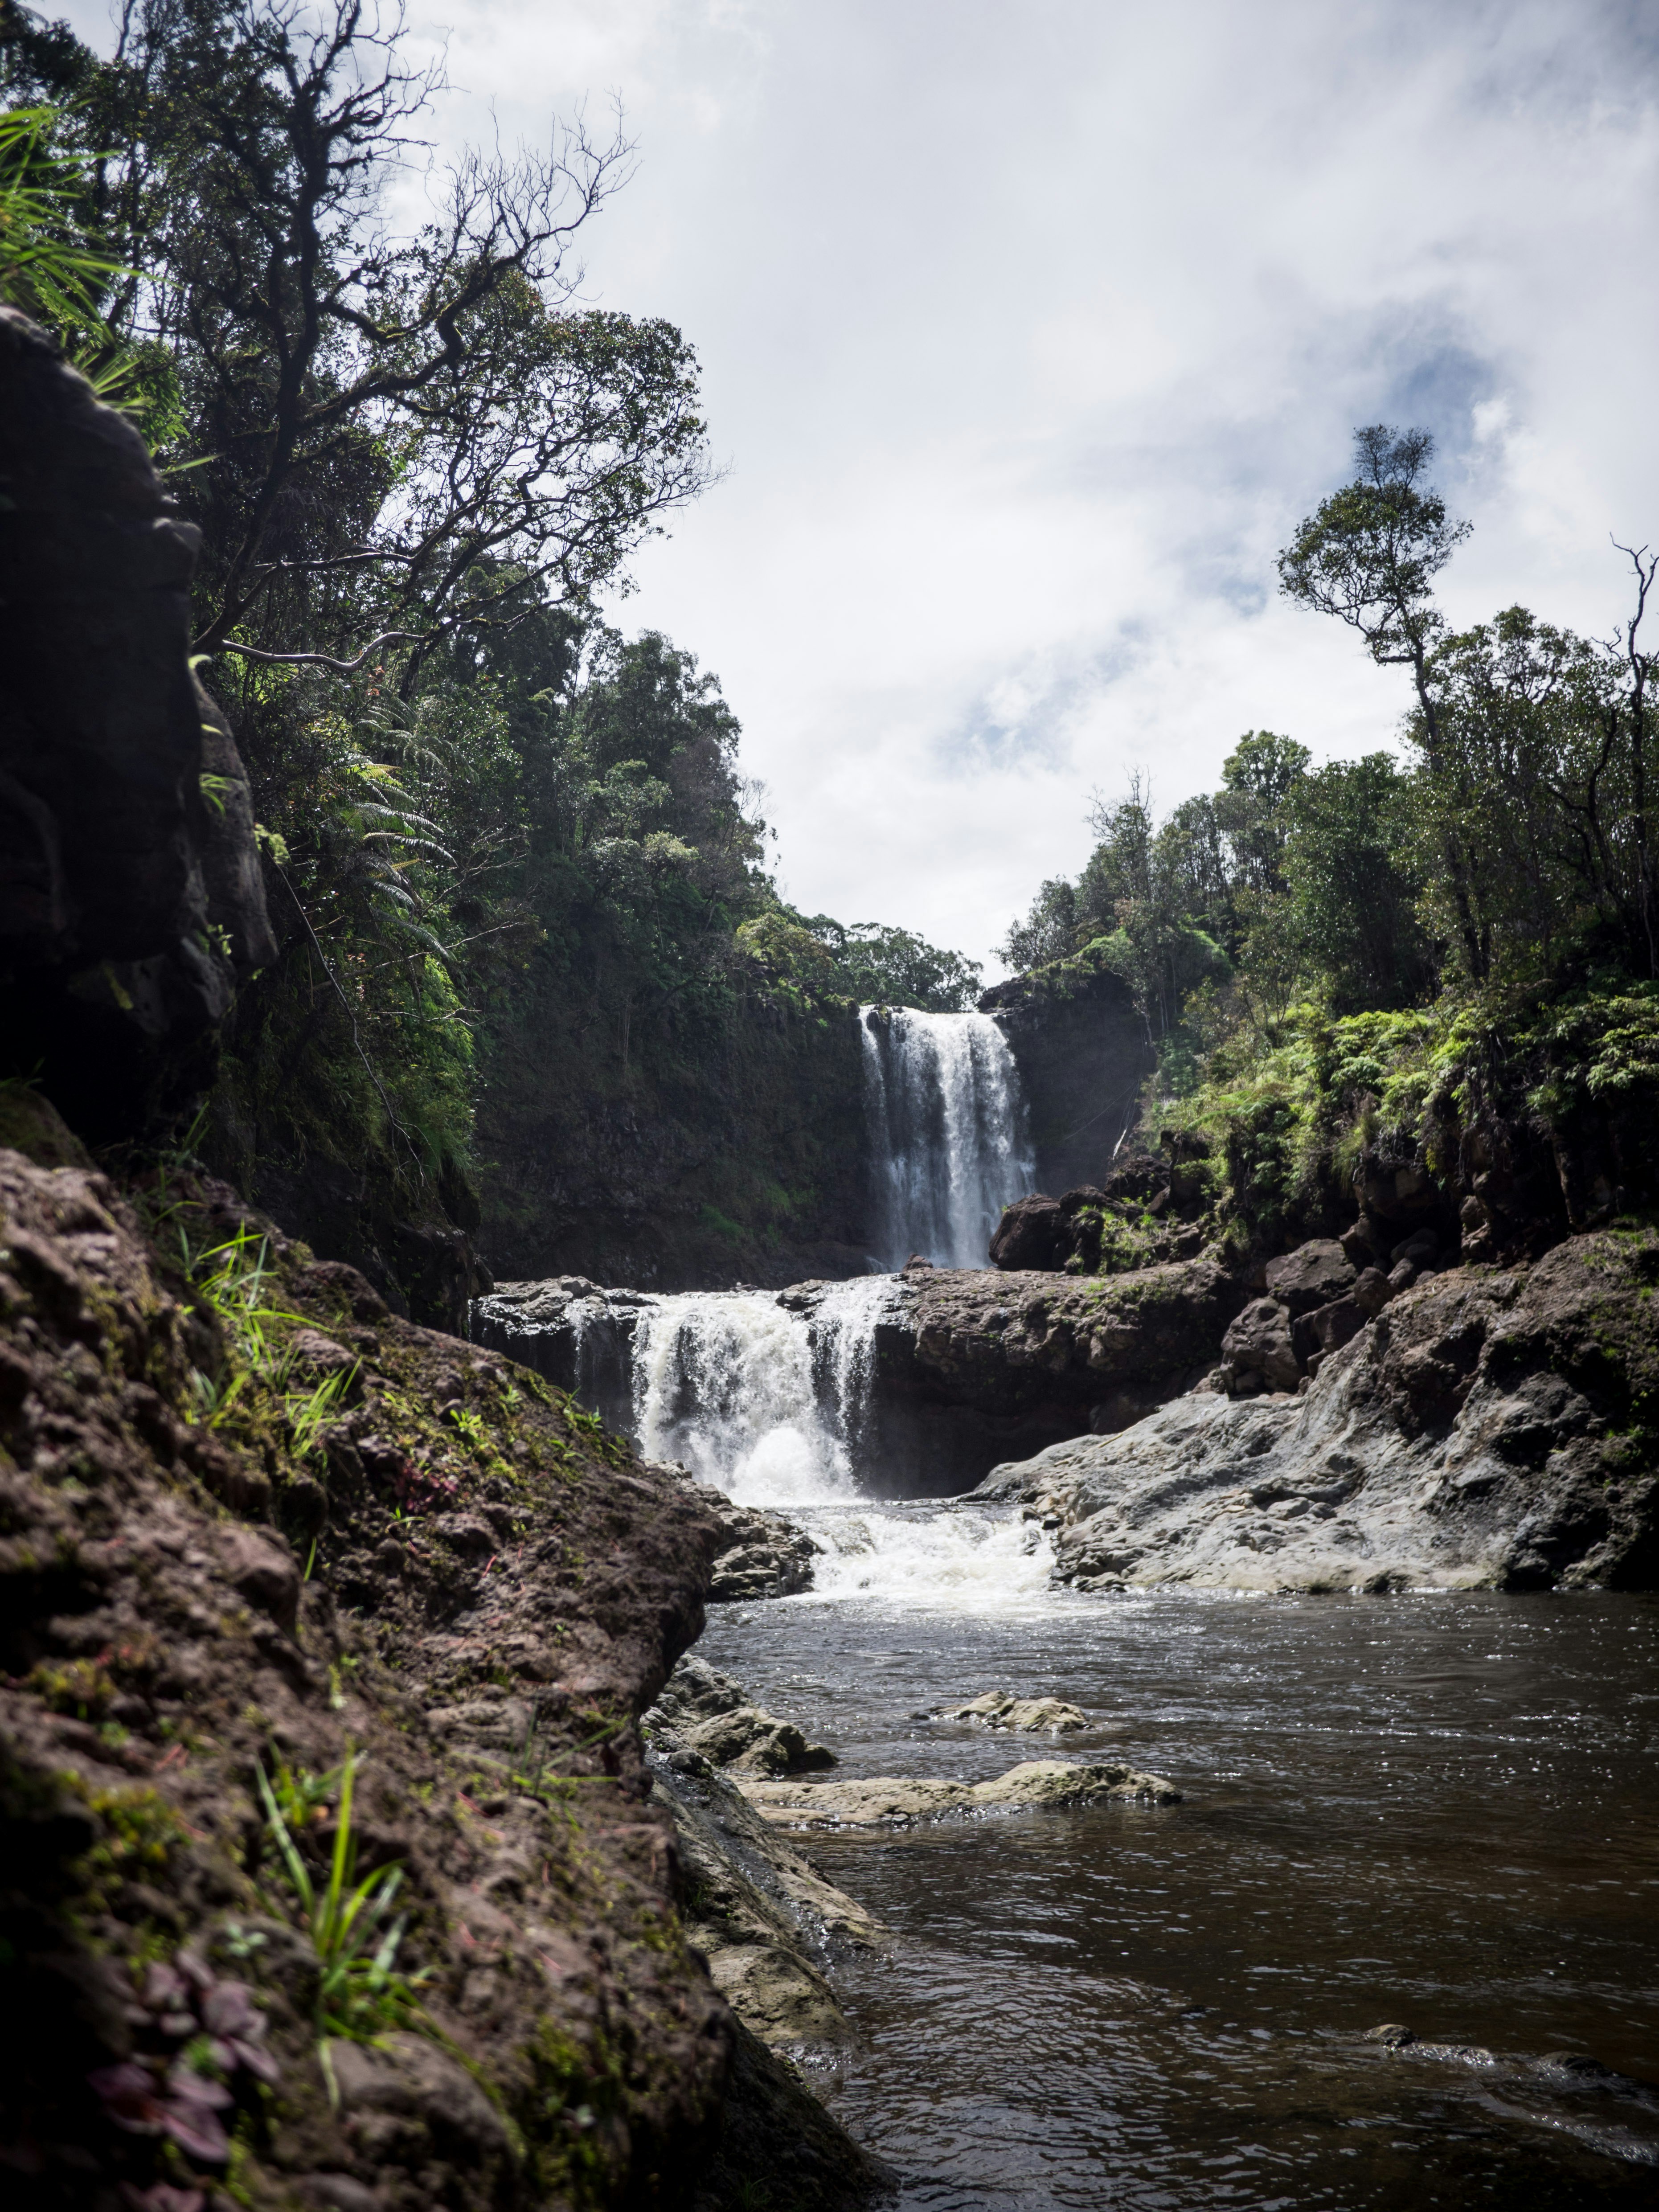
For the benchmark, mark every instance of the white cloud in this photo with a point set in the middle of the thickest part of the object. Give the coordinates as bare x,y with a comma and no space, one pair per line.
1031,331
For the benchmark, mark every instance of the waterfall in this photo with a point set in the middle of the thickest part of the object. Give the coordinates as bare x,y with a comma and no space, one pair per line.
947,1128
765,1401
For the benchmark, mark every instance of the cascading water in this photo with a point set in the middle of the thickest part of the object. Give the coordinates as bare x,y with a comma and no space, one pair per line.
763,1400
947,1130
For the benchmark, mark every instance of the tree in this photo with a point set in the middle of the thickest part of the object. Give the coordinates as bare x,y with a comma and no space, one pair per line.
1353,887
1369,555
1047,932
389,437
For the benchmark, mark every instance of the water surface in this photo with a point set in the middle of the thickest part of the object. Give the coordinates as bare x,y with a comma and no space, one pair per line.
1441,1811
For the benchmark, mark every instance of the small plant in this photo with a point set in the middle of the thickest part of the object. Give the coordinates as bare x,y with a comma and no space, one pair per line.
360,1993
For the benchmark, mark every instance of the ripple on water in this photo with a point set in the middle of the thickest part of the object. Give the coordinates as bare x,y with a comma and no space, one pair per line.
1434,1810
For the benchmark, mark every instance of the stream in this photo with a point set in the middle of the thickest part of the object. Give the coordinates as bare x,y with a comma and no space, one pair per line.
1436,1811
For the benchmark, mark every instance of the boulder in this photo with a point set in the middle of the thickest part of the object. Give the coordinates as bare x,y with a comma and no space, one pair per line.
1313,1275
704,1717
1033,1233
1258,1350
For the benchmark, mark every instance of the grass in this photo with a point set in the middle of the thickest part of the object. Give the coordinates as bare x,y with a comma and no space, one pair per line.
360,1995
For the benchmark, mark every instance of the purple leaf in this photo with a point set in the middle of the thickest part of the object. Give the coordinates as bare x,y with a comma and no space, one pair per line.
199,2132
228,2010
257,2060
130,2097
189,2087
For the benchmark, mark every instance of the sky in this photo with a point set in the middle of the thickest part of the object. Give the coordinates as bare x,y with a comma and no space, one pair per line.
1027,333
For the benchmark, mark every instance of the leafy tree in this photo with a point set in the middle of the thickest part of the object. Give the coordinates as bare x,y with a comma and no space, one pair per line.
882,966
1047,932
1353,883
387,436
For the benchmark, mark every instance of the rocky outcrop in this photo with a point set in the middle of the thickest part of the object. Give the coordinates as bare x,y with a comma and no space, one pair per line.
703,1718
998,1708
1083,1054
131,895
436,1575
1147,1210
975,1358
1485,1428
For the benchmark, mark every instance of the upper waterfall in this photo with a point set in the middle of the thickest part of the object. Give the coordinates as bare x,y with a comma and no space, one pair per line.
948,1132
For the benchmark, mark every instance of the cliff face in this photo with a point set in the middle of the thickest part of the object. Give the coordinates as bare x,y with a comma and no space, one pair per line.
1083,1055
131,897
1494,1428
716,1153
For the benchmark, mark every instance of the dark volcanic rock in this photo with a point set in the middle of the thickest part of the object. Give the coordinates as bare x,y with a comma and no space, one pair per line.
1083,1054
118,866
1033,1233
1486,1429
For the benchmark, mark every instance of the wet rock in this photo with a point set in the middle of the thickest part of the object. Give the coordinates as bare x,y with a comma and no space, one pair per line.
707,1714
765,1555
1484,1430
885,1802
996,1709
763,1915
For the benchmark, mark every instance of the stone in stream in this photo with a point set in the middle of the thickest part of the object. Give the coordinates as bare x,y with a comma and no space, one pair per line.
703,1717
997,1709
889,1801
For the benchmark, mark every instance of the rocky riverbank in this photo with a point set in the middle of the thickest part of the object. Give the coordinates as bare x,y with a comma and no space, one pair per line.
263,1538
1483,1427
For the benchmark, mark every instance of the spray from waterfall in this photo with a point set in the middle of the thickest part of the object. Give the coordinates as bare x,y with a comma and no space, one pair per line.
947,1132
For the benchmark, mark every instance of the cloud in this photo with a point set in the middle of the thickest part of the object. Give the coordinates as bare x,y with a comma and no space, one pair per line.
1029,333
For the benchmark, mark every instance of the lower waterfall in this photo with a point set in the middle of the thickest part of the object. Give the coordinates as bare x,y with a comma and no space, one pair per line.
947,1131
763,1400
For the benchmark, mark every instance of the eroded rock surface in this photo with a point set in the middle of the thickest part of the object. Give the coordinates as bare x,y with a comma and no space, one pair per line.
704,1717
1487,1428
887,1801
461,1581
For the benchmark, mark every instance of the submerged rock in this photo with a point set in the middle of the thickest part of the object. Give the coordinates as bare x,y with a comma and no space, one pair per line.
1486,1429
888,1802
1034,1716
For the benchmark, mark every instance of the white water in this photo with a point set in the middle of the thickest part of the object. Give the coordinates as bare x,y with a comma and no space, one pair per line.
929,1560
752,1396
947,1130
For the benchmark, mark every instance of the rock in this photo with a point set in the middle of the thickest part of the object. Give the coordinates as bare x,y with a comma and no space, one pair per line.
114,871
766,1555
409,2076
998,1710
1313,1275
1257,1347
765,1919
1486,1430
310,1349
1371,1292
885,1802
706,1713
1391,2034
1032,1234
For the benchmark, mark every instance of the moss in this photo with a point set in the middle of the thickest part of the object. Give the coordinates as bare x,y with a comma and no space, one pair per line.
31,1124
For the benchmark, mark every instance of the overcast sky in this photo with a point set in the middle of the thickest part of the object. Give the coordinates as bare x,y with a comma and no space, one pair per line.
1029,331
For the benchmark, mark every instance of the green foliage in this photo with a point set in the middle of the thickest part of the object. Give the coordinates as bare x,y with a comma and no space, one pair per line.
360,1993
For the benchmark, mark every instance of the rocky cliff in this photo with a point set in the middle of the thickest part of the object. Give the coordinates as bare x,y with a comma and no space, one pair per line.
1084,1056
130,897
1485,1427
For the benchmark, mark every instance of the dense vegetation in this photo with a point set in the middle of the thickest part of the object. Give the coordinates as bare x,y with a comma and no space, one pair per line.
417,462
1384,955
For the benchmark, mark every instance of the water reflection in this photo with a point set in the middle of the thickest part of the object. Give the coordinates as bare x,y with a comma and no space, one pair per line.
1438,1811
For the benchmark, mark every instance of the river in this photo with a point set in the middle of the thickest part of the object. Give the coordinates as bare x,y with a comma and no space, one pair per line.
1438,1811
